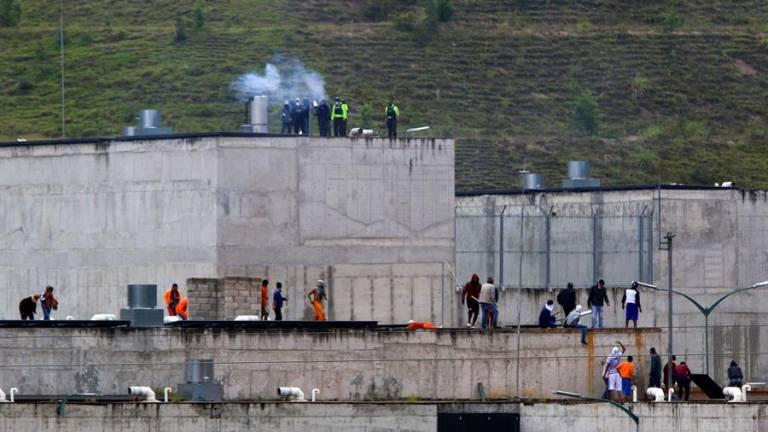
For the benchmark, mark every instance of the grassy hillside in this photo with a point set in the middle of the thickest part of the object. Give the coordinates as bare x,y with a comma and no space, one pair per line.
680,87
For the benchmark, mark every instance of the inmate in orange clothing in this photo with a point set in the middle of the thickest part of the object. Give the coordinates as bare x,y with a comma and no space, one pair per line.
626,370
181,308
415,325
316,300
171,298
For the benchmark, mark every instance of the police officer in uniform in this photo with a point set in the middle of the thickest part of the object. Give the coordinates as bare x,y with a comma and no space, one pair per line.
392,112
323,113
337,116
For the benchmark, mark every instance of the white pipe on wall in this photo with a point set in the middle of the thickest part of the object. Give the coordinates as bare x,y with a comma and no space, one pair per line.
13,391
144,392
165,393
293,393
315,393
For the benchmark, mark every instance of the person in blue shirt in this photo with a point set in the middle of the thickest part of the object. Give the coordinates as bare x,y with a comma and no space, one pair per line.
546,319
277,302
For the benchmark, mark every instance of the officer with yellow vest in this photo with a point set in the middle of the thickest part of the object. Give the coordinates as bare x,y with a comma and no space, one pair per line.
392,112
339,116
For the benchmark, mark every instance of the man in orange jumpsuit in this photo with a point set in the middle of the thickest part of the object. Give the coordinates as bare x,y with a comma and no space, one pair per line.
264,299
316,296
172,297
182,309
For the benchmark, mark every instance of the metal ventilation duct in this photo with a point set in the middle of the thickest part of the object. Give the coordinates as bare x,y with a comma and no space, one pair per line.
533,181
149,118
258,115
149,124
142,296
200,385
198,371
142,308
579,176
578,169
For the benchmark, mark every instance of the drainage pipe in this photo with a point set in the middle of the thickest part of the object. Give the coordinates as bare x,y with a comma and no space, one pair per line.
165,393
315,393
13,391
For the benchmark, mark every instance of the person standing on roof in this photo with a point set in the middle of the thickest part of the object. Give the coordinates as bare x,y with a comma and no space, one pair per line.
277,301
598,297
683,379
654,378
627,371
470,294
285,118
316,296
572,321
489,295
611,373
632,300
391,113
337,117
48,302
323,114
264,299
297,117
172,296
567,299
345,113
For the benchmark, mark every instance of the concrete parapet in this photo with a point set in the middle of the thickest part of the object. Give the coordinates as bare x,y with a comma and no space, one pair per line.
385,364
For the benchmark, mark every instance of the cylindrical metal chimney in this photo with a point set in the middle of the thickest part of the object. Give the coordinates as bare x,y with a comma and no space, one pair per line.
533,181
259,114
149,118
142,296
199,371
578,169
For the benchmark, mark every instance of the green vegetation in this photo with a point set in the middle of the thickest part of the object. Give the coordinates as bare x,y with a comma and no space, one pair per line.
586,113
10,13
677,89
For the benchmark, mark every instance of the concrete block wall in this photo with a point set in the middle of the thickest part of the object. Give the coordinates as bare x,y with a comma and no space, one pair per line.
204,298
344,364
719,246
90,218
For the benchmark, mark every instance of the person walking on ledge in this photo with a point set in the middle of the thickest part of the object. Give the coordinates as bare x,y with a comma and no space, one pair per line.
316,296
277,301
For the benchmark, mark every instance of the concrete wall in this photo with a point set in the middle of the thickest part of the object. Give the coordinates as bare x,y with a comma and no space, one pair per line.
343,364
333,417
90,218
719,245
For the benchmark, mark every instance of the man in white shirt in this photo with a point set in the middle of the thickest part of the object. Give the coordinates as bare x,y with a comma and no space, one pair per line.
489,295
632,300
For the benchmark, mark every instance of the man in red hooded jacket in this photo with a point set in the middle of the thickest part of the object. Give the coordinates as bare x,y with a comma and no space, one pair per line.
469,294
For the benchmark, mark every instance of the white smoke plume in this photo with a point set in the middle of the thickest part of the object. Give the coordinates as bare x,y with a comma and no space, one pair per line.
285,78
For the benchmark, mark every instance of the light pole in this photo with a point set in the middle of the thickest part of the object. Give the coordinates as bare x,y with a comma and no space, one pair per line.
706,311
626,410
522,174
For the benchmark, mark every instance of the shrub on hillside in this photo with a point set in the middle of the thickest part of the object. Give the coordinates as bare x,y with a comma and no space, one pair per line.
181,31
439,10
586,113
671,20
10,13
199,15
